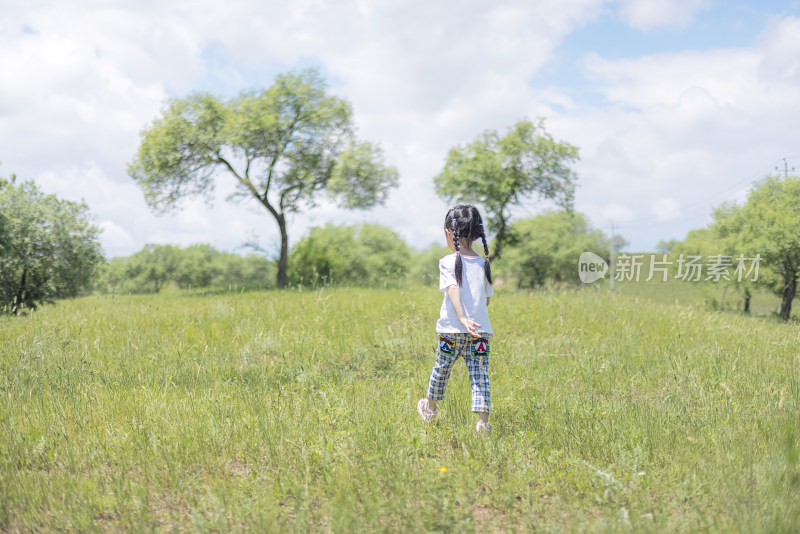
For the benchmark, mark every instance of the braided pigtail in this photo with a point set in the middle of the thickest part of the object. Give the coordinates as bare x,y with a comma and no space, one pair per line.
459,265
487,268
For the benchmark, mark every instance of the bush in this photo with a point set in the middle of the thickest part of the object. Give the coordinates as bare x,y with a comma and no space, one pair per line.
48,247
358,255
425,265
546,249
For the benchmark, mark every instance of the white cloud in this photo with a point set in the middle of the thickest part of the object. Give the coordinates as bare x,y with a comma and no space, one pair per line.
651,14
90,183
694,127
780,43
739,196
114,237
86,80
85,77
727,74
665,209
615,212
63,102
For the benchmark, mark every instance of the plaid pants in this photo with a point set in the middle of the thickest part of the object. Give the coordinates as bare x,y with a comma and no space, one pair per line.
451,346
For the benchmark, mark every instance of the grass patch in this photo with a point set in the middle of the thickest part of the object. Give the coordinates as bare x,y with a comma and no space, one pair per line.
296,411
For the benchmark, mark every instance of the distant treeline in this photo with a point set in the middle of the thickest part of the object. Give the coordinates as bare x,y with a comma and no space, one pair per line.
362,255
197,266
543,250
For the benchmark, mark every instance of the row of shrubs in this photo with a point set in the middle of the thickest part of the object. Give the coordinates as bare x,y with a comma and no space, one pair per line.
544,249
156,267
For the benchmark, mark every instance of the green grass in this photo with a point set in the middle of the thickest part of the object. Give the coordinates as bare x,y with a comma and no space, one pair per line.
709,296
295,411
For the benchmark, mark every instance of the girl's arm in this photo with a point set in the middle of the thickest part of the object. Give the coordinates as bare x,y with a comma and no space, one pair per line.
455,297
487,301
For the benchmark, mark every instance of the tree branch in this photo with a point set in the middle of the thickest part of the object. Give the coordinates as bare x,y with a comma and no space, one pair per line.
269,175
225,162
245,181
284,193
280,152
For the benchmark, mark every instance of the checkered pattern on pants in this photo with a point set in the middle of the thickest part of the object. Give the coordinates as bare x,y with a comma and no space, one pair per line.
460,345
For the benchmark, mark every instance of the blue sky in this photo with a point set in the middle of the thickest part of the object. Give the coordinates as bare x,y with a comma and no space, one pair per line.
611,37
676,106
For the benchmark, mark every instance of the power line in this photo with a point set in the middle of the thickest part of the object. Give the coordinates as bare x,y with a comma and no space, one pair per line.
706,202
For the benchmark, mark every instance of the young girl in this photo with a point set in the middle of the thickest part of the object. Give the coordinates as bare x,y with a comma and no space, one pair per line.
463,325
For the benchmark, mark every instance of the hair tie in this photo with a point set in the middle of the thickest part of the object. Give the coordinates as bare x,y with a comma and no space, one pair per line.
458,252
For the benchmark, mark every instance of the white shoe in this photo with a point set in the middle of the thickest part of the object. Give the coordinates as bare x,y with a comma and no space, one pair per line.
486,428
424,411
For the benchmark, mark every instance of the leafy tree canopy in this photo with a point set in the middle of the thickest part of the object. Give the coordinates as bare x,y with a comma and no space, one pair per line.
48,247
767,225
498,173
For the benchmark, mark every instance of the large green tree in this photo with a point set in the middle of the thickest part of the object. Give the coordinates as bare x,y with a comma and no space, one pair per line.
499,173
766,226
48,247
283,146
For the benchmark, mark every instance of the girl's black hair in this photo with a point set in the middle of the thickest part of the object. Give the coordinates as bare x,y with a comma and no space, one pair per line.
465,222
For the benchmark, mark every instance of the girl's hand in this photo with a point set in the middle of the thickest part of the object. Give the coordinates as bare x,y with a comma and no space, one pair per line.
455,297
470,325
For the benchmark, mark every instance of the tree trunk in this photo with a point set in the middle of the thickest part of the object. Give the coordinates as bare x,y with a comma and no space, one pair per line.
20,293
283,261
788,296
499,239
747,301
280,218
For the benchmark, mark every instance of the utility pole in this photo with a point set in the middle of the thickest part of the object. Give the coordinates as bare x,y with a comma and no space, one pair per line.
613,246
785,169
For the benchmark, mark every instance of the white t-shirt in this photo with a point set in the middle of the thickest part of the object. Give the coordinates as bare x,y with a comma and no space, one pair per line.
475,288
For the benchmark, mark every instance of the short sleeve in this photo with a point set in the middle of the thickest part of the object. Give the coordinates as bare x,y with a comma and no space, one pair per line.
489,289
447,275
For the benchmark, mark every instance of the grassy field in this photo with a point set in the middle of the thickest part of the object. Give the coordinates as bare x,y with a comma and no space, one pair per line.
295,411
708,296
